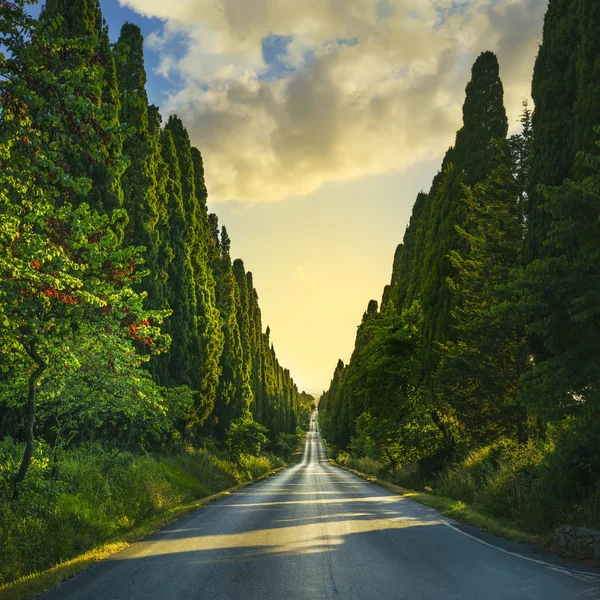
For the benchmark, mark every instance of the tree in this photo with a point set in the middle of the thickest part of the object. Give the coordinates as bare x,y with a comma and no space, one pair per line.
73,21
234,395
62,269
479,368
139,180
560,293
471,160
179,289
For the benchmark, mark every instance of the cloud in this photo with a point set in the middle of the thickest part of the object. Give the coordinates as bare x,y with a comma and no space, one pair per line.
281,98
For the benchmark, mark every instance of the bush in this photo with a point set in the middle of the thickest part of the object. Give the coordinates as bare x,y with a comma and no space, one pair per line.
286,446
536,486
246,437
364,465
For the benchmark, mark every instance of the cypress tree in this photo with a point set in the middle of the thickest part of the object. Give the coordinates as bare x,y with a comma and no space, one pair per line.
233,393
472,159
560,293
139,180
165,254
80,18
256,379
206,329
404,288
200,184
179,290
243,319
554,92
565,88
480,367
587,105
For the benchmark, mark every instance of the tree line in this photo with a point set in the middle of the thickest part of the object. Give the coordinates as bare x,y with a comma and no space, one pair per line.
122,314
488,331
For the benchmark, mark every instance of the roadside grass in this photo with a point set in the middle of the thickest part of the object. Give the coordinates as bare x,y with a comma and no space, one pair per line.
455,509
198,473
34,584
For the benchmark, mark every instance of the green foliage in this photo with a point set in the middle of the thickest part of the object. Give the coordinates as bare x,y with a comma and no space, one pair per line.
72,22
481,363
499,379
101,493
245,436
65,277
472,160
139,180
78,143
377,404
560,293
286,446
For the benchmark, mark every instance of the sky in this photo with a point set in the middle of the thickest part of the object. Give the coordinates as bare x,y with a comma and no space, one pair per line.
319,122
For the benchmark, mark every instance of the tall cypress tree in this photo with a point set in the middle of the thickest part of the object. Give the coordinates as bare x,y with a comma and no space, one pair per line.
179,292
165,253
587,104
209,322
206,336
404,287
233,393
472,159
243,319
256,379
139,180
554,91
480,367
566,86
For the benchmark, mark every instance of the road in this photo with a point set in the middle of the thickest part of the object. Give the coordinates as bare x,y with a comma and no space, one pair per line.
317,532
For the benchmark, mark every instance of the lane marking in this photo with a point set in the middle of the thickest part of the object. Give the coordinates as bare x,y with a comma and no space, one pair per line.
582,575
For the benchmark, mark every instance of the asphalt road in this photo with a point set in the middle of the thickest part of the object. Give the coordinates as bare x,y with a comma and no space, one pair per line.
316,532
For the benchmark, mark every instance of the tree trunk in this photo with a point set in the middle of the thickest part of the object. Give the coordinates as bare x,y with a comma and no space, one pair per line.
31,396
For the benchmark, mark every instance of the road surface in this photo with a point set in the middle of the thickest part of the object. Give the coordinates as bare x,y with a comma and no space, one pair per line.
317,532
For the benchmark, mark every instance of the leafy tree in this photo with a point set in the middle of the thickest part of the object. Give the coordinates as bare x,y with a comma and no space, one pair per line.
61,267
245,436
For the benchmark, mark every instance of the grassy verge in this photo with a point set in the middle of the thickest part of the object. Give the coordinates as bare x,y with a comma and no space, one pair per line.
100,503
456,509
32,585
172,487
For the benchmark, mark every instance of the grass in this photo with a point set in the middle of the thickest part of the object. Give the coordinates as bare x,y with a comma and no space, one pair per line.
455,509
103,503
32,585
